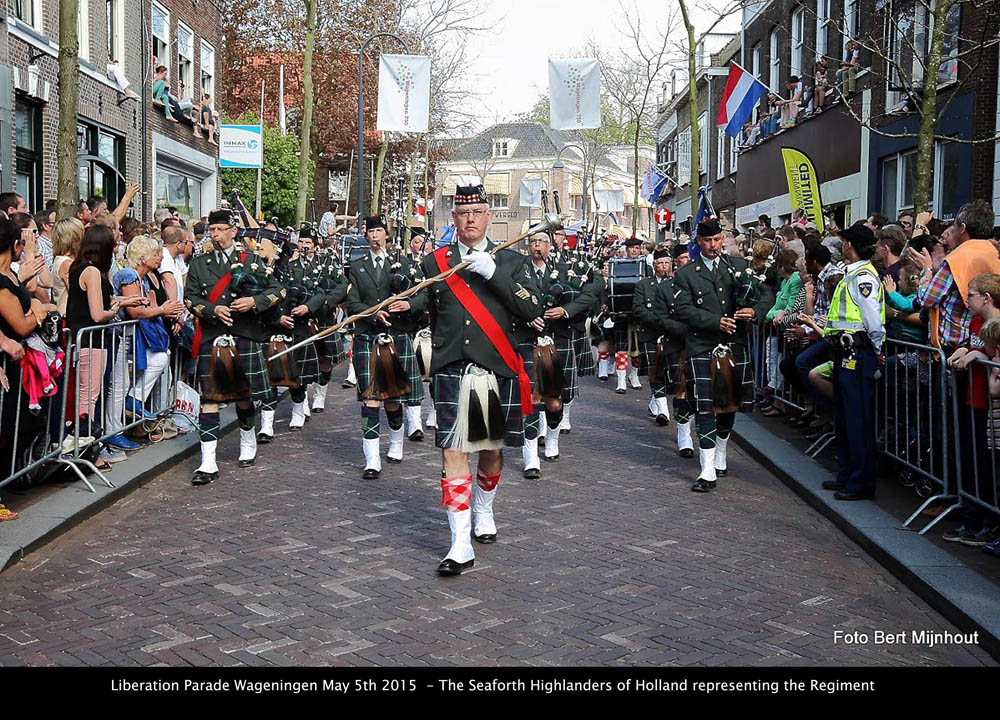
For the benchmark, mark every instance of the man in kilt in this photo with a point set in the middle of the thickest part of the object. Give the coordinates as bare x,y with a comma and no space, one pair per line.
474,365
384,362
623,336
575,269
649,309
420,245
670,365
333,283
230,292
717,298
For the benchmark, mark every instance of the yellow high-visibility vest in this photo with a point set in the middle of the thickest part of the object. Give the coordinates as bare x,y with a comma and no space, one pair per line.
845,314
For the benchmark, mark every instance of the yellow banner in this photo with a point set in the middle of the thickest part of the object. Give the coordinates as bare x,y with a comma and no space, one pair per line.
803,185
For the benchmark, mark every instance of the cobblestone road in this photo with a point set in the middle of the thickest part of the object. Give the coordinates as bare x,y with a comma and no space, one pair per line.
608,560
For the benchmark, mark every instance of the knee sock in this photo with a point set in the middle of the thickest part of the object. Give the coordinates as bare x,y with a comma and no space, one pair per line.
553,417
246,416
705,423
369,422
297,394
270,402
487,481
324,377
531,425
724,424
395,417
208,426
682,411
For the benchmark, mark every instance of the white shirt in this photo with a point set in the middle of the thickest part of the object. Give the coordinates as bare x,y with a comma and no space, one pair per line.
169,265
870,304
464,249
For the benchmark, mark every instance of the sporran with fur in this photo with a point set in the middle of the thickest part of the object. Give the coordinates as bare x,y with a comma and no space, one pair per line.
548,370
227,379
284,371
388,379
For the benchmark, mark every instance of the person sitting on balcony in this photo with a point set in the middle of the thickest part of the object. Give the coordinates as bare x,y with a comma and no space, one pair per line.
206,119
848,72
161,94
790,107
769,123
815,96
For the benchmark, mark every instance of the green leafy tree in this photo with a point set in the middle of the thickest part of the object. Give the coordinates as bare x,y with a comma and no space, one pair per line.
280,177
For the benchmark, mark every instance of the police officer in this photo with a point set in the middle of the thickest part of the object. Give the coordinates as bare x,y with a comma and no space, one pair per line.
855,329
717,298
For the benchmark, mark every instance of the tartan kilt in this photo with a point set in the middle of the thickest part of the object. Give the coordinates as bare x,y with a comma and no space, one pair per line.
647,355
330,350
699,380
308,362
586,366
254,367
445,386
672,372
362,355
566,348
620,335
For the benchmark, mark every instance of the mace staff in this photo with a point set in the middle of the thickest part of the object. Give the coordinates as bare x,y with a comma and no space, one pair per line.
549,222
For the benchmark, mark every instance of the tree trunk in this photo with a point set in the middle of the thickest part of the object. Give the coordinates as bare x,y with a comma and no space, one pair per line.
377,176
693,107
67,188
928,111
305,151
635,196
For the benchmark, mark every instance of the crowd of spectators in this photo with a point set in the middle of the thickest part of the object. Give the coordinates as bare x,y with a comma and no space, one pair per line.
98,268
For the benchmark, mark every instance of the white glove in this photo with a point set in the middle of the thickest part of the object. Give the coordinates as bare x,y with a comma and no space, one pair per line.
481,263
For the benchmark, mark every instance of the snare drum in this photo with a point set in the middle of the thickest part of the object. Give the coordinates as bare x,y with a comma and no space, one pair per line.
623,276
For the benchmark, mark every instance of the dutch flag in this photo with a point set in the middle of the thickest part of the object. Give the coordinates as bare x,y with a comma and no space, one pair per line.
614,217
743,91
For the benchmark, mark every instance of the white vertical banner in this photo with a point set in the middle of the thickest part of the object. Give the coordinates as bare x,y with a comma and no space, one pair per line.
404,93
610,200
575,94
531,193
281,100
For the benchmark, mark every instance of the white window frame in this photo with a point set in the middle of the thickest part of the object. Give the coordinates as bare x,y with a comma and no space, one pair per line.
822,21
684,156
119,27
202,72
704,159
720,153
756,55
774,76
501,148
734,154
36,20
499,202
164,57
798,41
189,85
83,29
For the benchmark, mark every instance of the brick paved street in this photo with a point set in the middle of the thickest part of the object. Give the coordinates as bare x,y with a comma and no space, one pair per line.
608,560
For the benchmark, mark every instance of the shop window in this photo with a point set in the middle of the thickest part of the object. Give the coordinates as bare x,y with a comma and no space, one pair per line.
179,190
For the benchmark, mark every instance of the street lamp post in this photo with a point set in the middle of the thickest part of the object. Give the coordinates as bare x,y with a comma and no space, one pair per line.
361,118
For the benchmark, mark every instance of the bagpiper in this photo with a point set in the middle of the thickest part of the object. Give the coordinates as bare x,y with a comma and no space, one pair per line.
230,292
384,362
479,382
420,245
718,298
650,310
333,283
669,359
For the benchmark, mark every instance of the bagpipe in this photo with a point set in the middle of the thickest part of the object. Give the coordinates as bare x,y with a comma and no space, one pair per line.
274,246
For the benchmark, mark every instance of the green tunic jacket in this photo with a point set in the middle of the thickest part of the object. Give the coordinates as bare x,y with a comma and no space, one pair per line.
457,337
364,291
203,274
702,297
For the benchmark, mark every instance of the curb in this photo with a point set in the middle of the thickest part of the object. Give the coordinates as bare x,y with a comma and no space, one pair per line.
63,510
959,593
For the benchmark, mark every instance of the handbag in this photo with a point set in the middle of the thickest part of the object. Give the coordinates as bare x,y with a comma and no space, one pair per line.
187,402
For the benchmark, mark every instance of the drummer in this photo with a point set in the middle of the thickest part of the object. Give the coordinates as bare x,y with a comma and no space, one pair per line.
623,336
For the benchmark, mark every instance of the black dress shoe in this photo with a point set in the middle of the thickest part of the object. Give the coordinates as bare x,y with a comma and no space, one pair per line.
564,431
369,474
393,460
662,420
246,463
264,438
548,458
845,495
603,379
450,567
347,384
417,435
203,478
702,486
833,485
686,453
532,474
721,473
620,391
317,410
486,539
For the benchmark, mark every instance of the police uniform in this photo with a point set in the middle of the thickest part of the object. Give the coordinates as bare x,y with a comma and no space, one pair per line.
371,280
218,278
855,330
704,292
461,347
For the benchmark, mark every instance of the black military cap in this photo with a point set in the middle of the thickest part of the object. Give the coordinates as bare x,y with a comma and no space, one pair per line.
709,228
375,221
223,216
470,195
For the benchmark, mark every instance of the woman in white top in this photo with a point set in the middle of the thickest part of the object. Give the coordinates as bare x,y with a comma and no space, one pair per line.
67,234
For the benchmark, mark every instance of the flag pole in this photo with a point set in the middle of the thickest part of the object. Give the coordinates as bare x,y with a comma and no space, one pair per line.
757,79
262,142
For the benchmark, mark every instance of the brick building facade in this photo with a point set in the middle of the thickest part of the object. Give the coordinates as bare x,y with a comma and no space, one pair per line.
119,140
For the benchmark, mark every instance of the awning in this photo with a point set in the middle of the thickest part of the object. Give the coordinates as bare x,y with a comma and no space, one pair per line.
453,181
497,184
575,185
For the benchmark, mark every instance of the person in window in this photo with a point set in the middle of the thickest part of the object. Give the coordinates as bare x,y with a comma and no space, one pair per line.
207,120
161,94
790,107
848,72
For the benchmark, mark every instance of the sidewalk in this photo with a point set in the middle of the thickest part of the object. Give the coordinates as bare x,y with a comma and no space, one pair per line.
950,586
60,507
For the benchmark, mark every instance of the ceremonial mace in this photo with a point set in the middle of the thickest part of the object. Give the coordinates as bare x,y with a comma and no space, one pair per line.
549,222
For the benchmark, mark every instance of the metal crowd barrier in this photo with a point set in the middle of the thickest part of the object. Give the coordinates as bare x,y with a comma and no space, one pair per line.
978,436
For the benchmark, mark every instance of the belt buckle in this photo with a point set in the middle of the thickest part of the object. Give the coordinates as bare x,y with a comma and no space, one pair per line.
847,341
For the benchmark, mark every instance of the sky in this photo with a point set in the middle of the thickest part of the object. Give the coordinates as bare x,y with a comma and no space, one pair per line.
510,61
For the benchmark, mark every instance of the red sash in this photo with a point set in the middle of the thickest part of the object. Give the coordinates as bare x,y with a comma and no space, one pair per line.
218,289
488,324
